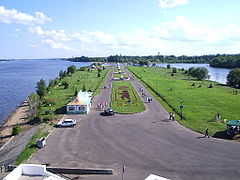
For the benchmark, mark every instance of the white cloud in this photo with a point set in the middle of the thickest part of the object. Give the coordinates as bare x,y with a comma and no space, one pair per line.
55,45
171,3
10,16
52,34
180,36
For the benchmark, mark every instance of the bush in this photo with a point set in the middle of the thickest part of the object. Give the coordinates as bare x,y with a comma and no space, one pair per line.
16,130
168,66
210,86
174,70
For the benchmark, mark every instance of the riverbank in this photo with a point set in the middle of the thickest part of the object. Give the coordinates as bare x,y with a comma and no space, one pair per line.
19,116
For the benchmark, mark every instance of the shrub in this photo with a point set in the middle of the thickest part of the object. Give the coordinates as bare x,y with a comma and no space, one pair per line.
174,70
168,66
65,84
16,130
210,86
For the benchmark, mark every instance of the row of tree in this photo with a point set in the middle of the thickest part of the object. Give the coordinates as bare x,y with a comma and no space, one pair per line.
224,60
35,99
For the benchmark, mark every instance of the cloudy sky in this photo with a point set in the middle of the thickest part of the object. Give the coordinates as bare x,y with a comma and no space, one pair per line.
66,28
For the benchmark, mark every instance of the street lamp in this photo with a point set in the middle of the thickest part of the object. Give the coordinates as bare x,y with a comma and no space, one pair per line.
123,171
181,107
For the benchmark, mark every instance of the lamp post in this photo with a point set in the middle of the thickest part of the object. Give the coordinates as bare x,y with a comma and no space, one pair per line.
181,107
123,171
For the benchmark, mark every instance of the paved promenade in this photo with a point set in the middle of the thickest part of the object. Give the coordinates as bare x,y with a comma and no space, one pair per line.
144,143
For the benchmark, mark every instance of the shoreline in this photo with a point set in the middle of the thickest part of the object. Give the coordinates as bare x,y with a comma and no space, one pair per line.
18,116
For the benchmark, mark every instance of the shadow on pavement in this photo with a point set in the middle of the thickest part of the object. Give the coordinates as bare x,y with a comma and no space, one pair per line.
222,135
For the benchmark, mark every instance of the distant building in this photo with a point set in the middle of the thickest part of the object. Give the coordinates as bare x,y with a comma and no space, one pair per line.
81,104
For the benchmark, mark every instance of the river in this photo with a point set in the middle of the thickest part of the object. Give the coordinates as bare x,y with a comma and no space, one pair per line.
216,74
19,78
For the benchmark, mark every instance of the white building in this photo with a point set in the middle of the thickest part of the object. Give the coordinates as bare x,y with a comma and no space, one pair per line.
31,171
81,104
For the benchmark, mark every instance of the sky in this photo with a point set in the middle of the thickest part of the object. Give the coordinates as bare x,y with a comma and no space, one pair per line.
99,28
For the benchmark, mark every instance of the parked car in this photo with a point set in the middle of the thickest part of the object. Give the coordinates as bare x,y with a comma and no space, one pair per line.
67,123
109,111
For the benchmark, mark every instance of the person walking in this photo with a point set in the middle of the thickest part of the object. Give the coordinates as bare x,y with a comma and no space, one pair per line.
173,116
206,133
170,116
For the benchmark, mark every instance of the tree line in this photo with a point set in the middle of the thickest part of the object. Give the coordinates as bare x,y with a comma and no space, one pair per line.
222,61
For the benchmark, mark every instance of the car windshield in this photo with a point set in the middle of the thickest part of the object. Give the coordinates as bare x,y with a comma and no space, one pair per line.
69,121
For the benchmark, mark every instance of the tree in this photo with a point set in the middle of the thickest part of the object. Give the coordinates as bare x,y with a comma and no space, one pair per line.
56,81
99,74
154,65
174,70
233,78
200,73
146,63
41,88
16,130
61,74
141,63
33,104
71,69
65,84
51,83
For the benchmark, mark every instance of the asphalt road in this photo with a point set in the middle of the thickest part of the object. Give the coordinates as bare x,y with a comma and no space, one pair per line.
143,143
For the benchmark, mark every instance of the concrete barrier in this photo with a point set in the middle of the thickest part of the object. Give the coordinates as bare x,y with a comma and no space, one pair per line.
80,171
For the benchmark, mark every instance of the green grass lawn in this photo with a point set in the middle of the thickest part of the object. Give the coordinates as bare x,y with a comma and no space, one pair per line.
31,147
58,97
125,99
200,102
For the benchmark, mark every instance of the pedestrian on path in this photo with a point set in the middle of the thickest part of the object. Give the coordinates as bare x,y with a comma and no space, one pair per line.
170,116
206,133
173,116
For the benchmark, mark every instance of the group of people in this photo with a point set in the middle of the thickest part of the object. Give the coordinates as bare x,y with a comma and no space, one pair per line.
102,105
149,99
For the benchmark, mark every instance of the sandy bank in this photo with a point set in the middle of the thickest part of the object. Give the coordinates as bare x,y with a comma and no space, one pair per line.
19,116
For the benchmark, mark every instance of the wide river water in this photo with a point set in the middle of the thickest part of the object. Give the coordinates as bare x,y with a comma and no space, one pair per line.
216,74
19,78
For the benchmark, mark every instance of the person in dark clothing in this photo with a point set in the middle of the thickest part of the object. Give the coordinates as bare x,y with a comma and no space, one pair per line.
206,133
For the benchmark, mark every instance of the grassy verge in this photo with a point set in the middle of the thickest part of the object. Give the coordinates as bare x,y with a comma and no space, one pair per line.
59,96
31,146
125,99
201,103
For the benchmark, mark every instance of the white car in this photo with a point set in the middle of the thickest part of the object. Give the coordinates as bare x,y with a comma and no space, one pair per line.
67,123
